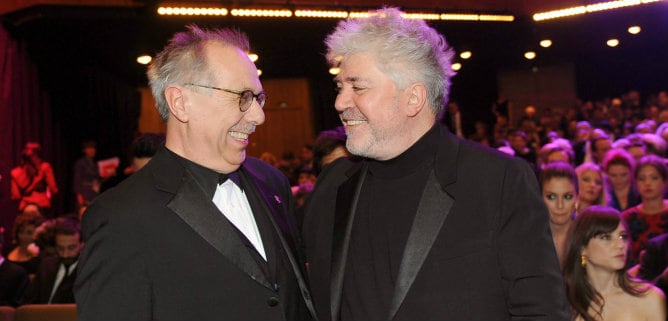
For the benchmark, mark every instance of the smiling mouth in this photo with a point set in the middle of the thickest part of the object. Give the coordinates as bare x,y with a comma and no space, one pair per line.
353,122
239,135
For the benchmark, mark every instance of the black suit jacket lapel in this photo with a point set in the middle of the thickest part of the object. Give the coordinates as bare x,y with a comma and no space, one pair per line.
203,216
272,205
432,211
346,206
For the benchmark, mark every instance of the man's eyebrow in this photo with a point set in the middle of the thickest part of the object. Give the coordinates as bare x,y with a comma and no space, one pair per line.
347,79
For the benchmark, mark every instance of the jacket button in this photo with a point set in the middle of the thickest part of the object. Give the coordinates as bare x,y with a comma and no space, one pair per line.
273,301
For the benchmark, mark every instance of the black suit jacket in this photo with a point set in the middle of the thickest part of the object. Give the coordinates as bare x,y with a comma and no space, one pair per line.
41,287
479,248
13,283
655,260
157,248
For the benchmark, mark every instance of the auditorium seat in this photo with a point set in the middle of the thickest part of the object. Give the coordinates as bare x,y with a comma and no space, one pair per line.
46,312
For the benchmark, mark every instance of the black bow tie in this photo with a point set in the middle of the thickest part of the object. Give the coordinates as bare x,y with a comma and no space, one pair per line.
234,176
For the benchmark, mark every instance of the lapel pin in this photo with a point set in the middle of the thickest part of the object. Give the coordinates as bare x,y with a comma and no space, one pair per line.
278,199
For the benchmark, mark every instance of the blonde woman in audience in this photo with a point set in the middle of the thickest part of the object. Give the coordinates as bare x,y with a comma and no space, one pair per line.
591,189
649,218
597,286
559,186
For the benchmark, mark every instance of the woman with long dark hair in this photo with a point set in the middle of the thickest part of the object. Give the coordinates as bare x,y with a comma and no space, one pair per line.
598,287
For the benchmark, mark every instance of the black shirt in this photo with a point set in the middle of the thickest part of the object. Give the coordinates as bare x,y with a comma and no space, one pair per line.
387,206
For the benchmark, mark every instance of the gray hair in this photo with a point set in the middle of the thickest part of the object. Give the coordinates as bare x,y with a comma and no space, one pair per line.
407,50
183,60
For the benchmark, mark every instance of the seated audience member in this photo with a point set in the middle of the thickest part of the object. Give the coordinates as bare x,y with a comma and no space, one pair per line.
142,149
619,166
636,146
554,152
591,188
328,147
654,262
520,144
25,252
13,281
600,145
269,158
598,287
559,186
55,278
649,218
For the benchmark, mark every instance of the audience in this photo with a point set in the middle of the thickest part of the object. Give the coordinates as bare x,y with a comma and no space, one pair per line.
25,252
654,262
619,166
13,281
649,218
591,188
55,277
87,180
33,180
559,185
597,286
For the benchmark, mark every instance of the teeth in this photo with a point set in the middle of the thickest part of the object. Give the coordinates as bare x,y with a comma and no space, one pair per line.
354,122
239,135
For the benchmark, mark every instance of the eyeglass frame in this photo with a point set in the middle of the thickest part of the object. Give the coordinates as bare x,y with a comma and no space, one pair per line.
241,94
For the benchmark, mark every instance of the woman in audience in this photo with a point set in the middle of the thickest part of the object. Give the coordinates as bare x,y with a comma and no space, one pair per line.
650,217
590,186
554,152
619,166
559,185
597,286
26,253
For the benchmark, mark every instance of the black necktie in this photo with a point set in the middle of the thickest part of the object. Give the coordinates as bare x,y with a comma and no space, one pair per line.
234,176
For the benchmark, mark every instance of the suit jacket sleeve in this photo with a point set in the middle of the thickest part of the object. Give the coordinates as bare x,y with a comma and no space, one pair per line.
110,267
527,258
653,262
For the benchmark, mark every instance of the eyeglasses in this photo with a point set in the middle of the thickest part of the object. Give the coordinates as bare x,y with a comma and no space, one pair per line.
245,97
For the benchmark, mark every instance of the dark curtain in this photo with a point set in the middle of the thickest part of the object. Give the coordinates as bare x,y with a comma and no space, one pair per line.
25,115
59,102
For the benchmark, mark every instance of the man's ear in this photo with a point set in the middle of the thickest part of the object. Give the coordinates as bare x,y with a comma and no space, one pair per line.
176,103
417,98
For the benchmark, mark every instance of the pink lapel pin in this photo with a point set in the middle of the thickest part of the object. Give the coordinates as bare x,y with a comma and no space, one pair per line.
278,199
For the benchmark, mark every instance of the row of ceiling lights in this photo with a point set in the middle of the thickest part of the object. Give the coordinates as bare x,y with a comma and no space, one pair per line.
456,66
342,14
332,14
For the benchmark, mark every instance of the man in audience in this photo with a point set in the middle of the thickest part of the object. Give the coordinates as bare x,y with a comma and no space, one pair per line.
56,274
201,232
427,226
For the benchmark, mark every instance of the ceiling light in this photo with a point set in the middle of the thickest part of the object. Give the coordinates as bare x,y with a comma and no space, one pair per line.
459,16
612,42
144,59
456,66
601,6
634,30
530,55
261,13
545,43
423,16
259,72
334,70
253,56
191,11
465,54
321,14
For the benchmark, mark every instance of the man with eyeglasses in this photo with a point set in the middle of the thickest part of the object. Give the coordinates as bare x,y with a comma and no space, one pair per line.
201,232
